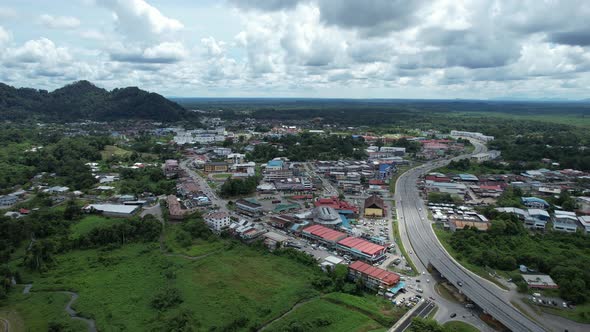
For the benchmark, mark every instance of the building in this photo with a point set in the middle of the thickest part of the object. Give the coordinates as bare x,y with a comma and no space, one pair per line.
396,151
171,168
243,170
583,204
446,187
455,225
485,156
222,152
56,190
276,169
337,204
249,208
565,221
112,210
539,281
282,221
373,277
217,220
274,240
478,136
175,210
374,207
362,249
6,200
324,215
216,167
532,218
235,158
534,202
468,178
323,235
585,223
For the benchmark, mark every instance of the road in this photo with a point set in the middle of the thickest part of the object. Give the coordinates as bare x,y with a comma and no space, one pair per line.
202,183
427,250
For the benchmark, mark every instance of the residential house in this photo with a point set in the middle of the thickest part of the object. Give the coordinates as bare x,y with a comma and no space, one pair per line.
565,221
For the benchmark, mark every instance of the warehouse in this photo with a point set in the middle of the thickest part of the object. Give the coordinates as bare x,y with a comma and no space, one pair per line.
112,210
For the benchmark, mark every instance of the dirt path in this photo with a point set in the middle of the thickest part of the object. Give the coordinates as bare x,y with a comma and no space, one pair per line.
5,325
295,306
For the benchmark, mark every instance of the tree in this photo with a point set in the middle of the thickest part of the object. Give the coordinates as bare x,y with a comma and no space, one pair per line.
39,255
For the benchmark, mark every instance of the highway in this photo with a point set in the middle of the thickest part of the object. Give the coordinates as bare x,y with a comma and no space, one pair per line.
413,219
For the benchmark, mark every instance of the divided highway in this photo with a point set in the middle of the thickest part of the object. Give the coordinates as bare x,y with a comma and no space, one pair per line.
412,216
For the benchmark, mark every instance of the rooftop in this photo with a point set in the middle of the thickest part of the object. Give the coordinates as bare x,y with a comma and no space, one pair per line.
324,232
361,245
384,276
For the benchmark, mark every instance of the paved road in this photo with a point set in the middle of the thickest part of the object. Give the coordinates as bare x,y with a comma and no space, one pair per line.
427,249
422,310
202,183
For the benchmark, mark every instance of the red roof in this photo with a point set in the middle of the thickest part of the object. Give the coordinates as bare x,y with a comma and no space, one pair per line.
498,188
302,197
324,232
336,204
386,277
376,182
361,245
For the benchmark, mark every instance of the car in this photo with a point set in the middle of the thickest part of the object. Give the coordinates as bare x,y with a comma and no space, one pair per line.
427,280
419,290
453,315
460,283
417,280
564,305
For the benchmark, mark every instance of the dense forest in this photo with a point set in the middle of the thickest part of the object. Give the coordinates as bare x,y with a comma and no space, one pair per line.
84,101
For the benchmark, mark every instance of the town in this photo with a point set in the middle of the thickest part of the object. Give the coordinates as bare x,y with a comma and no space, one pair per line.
255,184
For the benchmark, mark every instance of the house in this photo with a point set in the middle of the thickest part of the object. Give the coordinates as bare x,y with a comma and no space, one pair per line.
585,222
539,281
171,168
534,202
175,210
374,206
565,221
216,167
373,277
248,207
583,204
6,200
217,220
112,210
56,190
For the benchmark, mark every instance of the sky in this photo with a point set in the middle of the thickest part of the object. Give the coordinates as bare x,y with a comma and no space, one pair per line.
302,48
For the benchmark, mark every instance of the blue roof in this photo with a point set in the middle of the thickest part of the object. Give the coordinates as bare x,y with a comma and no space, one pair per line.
384,167
345,211
534,200
275,163
397,287
468,177
345,222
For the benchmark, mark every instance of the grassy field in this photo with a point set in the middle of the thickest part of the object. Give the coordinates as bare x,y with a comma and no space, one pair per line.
35,311
113,151
197,248
577,120
322,315
444,238
400,246
221,176
90,222
374,307
580,314
116,286
458,326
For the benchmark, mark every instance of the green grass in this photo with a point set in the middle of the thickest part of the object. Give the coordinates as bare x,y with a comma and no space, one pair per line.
444,237
198,247
221,176
113,151
88,223
116,286
445,293
458,326
374,307
400,246
577,120
322,315
36,310
580,314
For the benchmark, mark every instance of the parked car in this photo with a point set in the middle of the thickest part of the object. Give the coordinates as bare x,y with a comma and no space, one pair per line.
453,315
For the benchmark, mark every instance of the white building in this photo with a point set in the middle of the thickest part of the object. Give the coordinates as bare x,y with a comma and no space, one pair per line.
7,200
217,220
565,221
585,222
486,156
478,136
112,210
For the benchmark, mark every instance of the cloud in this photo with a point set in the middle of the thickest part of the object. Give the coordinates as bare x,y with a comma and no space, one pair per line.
40,50
265,5
138,20
92,34
371,17
59,22
7,12
579,37
4,36
164,53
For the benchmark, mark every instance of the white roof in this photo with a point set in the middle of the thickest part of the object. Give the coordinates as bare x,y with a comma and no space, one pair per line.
537,212
113,208
333,260
584,220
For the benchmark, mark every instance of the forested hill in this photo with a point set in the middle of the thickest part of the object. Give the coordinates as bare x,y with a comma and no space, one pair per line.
83,100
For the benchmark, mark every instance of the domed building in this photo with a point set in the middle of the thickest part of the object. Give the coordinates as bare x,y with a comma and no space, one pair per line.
324,215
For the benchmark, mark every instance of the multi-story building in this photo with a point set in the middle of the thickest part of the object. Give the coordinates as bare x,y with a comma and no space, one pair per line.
171,168
248,207
565,221
373,277
277,169
217,220
216,167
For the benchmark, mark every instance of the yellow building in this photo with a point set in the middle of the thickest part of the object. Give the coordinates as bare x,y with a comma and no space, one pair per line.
374,207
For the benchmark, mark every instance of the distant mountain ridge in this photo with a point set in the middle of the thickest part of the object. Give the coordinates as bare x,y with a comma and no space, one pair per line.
83,100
